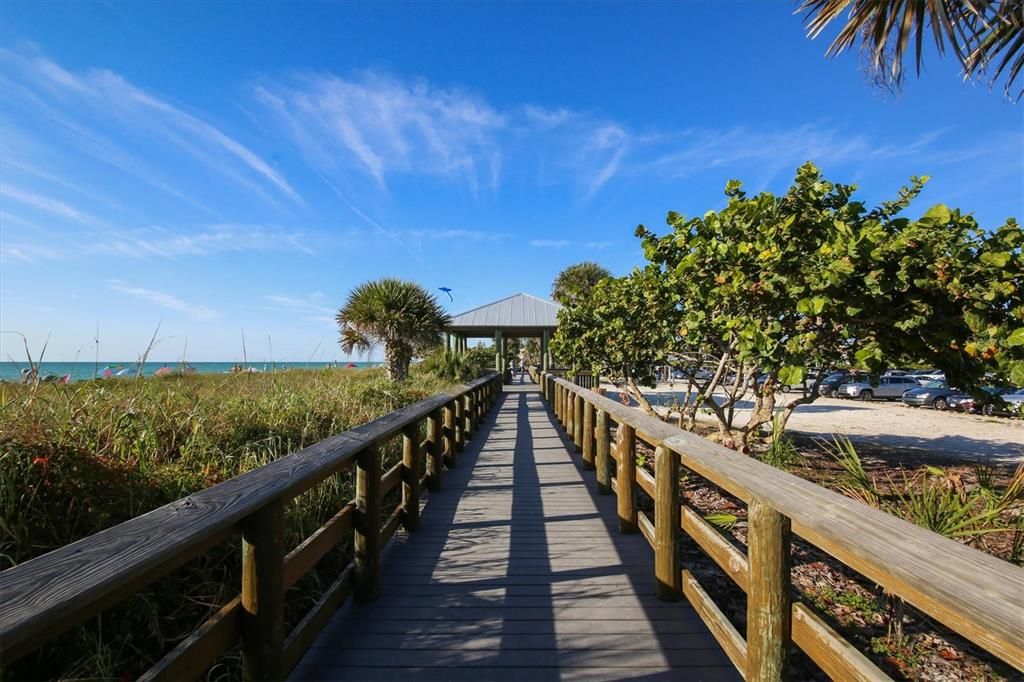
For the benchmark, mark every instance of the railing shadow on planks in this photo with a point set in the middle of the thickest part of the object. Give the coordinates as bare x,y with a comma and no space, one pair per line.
977,595
50,594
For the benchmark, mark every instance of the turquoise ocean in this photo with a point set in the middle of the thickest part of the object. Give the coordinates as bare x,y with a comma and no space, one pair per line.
78,371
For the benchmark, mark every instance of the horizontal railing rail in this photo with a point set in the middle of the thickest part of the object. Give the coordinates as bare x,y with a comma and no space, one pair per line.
50,594
974,594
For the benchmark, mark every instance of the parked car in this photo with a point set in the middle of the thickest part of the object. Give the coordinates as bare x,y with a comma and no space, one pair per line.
785,388
888,388
1007,404
923,376
988,404
697,374
896,373
935,394
831,384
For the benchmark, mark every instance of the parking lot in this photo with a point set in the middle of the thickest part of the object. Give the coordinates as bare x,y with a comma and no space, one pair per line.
914,432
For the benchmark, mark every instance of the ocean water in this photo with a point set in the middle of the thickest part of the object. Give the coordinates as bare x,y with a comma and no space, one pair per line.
11,371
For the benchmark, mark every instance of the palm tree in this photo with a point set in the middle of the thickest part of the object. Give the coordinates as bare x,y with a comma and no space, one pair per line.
984,34
576,281
402,316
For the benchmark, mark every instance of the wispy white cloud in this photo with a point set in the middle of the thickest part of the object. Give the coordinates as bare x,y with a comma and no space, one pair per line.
310,307
386,126
164,300
48,204
53,88
541,118
28,253
159,242
599,245
549,243
607,147
312,304
458,235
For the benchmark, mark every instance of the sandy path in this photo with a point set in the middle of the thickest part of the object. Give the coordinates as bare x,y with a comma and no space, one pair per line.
916,431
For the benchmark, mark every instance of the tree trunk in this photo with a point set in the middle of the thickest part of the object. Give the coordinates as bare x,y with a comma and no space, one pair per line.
806,399
638,395
396,362
763,413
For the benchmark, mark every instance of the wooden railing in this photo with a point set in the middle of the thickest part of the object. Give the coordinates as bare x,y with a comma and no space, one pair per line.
974,594
48,595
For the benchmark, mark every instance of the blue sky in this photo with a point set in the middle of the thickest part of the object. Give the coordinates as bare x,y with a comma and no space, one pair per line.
214,168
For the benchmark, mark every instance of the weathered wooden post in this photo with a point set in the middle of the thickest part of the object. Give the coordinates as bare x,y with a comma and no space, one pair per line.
588,435
451,448
411,477
460,434
602,446
567,410
263,594
367,525
435,465
577,421
666,525
467,411
625,475
769,607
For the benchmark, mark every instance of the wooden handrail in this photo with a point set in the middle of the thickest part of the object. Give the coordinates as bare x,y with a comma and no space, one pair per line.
972,593
50,594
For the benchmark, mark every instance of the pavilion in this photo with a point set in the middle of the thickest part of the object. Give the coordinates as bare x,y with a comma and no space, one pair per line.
519,316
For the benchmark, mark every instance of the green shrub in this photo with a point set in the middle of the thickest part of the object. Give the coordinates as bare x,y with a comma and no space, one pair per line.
78,458
460,367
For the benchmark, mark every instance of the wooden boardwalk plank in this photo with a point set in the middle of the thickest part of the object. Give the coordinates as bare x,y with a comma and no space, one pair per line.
517,572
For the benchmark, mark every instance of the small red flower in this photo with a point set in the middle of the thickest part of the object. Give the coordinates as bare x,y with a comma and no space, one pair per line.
41,461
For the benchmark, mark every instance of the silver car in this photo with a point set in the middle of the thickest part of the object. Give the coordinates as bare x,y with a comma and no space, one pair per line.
889,388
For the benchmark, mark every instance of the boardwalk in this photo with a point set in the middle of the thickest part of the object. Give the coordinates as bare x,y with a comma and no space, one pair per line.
517,573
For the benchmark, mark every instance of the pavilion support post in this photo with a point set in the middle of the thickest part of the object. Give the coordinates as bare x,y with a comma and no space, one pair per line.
545,364
448,343
497,351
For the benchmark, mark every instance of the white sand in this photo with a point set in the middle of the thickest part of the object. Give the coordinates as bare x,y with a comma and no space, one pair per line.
917,430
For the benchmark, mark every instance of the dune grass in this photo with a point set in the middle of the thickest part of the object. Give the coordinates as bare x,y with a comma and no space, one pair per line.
78,458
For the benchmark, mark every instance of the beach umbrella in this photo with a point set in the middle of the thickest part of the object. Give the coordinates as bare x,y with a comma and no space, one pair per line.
109,370
163,371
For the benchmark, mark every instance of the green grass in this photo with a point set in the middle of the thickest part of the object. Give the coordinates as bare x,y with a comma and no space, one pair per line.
78,458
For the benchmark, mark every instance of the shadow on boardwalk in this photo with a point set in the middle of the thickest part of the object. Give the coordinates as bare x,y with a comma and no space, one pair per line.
517,572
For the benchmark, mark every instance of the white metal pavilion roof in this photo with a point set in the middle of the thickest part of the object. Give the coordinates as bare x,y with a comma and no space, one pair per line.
520,311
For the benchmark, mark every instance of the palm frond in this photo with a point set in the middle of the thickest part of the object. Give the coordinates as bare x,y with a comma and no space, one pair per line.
985,35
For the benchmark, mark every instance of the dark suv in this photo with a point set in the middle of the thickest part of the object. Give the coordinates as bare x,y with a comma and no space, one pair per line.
831,385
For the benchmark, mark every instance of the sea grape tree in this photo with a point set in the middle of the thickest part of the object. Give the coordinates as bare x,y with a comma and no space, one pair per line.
775,284
623,329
